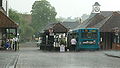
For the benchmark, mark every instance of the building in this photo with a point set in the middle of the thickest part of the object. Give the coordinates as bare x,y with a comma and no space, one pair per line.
6,24
56,32
108,22
27,18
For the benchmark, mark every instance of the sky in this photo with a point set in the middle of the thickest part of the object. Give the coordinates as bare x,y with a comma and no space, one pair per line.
67,8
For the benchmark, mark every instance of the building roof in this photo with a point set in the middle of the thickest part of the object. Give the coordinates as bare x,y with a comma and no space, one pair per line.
105,21
85,23
112,22
96,4
57,27
6,22
100,24
95,20
49,25
71,25
106,13
61,27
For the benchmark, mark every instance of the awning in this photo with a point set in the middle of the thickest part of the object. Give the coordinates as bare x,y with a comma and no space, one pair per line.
6,22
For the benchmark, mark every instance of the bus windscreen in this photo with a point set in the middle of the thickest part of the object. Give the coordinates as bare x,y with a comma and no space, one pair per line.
89,35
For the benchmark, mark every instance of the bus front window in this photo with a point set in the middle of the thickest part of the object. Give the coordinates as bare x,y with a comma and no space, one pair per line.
89,35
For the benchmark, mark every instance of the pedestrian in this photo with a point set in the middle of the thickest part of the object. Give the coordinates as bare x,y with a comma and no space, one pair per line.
15,40
73,44
7,45
11,43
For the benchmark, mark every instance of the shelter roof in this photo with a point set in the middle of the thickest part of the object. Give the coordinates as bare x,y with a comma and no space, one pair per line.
95,20
6,22
70,25
57,27
105,20
111,22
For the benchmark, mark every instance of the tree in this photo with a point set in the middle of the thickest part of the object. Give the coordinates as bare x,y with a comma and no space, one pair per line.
42,13
25,30
60,19
69,19
14,15
27,33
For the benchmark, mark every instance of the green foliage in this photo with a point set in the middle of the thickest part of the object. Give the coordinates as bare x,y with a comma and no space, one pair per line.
42,13
69,19
10,36
60,19
25,30
14,15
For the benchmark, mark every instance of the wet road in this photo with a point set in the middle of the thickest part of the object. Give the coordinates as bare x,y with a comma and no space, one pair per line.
32,57
7,58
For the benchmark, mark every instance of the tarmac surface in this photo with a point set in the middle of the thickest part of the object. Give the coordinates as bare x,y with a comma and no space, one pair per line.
113,53
30,56
8,59
34,58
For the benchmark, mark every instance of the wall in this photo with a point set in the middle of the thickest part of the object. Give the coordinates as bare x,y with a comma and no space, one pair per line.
4,5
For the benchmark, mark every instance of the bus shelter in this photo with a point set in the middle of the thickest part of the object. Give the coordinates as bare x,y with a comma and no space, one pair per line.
7,28
52,36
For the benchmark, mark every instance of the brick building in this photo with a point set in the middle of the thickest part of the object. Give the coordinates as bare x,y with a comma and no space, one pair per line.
6,24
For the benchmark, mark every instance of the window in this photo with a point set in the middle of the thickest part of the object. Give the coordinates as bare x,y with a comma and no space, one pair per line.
89,35
116,39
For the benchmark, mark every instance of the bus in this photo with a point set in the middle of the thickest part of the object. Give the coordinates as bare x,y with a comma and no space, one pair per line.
87,38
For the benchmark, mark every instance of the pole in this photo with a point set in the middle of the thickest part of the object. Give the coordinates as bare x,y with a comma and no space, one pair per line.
15,39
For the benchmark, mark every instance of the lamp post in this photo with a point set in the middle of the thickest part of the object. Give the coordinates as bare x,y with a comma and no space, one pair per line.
18,36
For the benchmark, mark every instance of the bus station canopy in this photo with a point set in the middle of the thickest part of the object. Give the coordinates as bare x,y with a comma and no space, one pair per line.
6,22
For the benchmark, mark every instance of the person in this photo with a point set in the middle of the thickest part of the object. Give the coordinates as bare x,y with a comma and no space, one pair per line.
7,45
11,43
15,40
73,44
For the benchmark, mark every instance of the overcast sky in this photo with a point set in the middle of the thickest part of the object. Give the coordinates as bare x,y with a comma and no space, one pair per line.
68,8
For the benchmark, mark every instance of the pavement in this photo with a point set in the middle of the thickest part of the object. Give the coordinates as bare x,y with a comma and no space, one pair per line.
8,59
34,58
113,53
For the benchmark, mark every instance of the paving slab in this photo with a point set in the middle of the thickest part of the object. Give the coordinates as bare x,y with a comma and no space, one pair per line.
8,58
113,53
